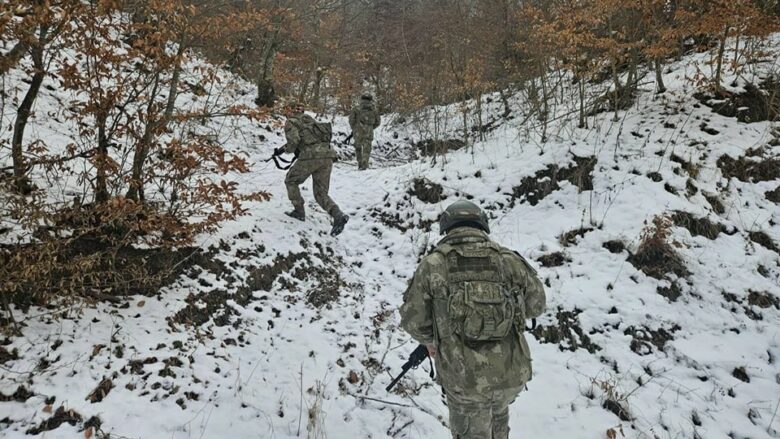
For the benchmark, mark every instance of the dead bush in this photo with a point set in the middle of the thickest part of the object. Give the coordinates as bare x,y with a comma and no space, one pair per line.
698,226
655,256
427,191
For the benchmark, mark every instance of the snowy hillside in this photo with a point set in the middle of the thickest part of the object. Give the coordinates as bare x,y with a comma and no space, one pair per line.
280,330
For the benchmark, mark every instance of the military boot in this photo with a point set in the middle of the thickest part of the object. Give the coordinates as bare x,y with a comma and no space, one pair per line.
339,221
297,213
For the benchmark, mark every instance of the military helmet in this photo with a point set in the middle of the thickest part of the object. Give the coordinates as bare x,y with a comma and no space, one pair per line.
463,213
293,108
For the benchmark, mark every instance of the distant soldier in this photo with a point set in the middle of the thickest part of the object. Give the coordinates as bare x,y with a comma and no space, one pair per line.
310,141
363,120
468,303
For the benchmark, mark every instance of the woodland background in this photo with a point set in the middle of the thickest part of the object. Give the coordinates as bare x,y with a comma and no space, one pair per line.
147,175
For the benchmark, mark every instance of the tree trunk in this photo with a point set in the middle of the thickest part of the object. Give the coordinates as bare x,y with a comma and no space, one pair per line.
659,76
719,64
505,101
101,161
545,102
581,89
136,190
633,76
266,94
480,123
616,95
23,115
319,75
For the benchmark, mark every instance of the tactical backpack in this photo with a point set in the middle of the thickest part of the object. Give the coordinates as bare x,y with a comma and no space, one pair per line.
481,307
367,117
313,132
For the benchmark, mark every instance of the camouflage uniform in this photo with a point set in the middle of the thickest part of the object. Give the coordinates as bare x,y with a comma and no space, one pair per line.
480,377
315,159
363,120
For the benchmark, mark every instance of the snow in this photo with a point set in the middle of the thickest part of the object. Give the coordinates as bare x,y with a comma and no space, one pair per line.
280,368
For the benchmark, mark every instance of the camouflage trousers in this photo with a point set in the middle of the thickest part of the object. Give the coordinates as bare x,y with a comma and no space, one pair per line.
481,416
363,151
319,170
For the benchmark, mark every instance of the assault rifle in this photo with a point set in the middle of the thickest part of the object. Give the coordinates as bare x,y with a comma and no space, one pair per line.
415,359
349,137
277,158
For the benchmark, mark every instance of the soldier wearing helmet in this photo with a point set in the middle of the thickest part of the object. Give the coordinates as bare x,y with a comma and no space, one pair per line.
364,119
310,140
468,302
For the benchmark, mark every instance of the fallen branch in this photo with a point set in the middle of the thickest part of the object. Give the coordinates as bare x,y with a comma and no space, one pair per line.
379,400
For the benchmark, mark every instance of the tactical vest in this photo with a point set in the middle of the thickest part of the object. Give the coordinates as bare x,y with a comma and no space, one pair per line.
480,306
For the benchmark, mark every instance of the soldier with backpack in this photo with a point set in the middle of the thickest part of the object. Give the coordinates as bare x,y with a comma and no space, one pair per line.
363,120
309,140
468,302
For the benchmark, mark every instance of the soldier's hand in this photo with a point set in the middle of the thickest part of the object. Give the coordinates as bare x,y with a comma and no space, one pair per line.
431,350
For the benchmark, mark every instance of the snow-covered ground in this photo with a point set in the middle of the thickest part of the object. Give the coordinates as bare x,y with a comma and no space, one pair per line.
296,332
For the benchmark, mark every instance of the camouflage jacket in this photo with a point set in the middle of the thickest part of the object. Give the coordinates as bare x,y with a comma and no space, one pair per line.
426,315
363,119
310,139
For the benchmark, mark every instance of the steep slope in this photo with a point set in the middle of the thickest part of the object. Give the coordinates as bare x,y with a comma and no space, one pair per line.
283,331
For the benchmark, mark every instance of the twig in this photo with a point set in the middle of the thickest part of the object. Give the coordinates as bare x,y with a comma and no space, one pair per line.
300,404
771,421
379,400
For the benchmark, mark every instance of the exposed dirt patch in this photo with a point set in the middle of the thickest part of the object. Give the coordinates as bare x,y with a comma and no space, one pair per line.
262,278
617,409
741,374
671,292
427,191
6,356
762,238
210,305
690,168
715,203
137,366
401,216
698,226
113,272
690,188
570,238
566,333
100,391
21,394
615,246
553,259
61,416
655,176
658,260
207,260
759,299
763,299
328,288
536,187
754,166
755,104
431,147
773,196
643,339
